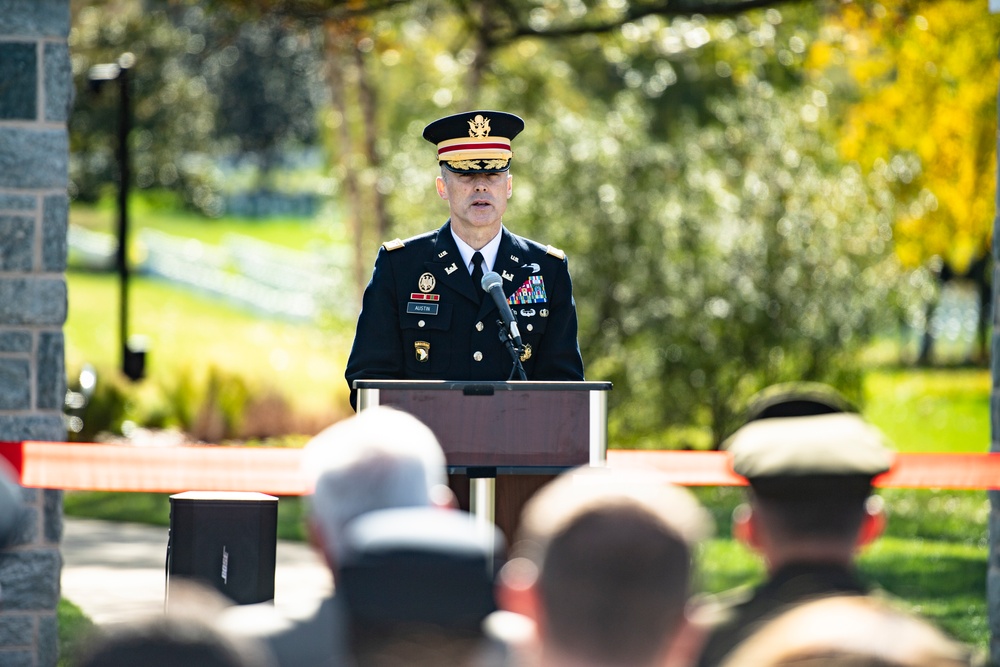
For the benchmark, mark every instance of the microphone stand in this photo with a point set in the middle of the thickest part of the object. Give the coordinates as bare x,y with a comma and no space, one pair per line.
515,353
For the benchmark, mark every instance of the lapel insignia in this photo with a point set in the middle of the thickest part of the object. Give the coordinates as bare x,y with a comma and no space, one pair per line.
442,254
423,350
514,259
531,291
507,276
426,283
451,269
533,266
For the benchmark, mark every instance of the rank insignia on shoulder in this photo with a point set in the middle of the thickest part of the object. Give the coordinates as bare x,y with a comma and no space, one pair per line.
394,244
555,252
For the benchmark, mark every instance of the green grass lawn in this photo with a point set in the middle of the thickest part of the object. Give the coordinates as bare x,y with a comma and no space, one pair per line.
294,233
190,333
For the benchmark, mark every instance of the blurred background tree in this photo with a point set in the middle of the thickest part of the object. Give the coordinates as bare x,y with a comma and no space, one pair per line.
924,118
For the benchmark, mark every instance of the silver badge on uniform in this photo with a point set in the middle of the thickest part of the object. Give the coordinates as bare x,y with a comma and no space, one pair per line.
451,269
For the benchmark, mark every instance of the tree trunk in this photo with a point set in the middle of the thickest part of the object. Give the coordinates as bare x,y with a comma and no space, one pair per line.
366,98
337,74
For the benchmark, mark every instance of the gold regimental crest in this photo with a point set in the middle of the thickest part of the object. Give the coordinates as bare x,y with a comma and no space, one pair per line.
479,126
526,352
423,351
426,283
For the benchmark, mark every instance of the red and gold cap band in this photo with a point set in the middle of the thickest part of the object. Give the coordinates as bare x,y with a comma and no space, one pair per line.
474,141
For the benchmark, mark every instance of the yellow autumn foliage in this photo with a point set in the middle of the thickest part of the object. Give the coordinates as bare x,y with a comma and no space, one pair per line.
927,76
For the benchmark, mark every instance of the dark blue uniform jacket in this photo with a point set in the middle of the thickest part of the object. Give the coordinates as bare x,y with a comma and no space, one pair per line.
423,319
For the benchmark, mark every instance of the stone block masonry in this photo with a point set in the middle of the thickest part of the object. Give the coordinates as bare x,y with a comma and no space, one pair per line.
35,101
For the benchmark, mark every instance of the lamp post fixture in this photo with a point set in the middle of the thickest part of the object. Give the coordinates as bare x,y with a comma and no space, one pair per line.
133,350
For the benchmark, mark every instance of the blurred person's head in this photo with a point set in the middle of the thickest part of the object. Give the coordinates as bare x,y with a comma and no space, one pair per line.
603,565
185,636
416,584
810,461
848,631
380,458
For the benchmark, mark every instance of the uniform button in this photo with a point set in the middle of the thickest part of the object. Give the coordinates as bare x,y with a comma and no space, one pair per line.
478,356
530,328
479,326
420,323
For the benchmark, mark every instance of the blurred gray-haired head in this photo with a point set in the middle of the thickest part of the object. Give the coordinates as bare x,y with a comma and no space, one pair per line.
378,459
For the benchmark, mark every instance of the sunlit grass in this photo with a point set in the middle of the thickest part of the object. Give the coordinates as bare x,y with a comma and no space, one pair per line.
74,630
930,410
154,509
294,233
190,333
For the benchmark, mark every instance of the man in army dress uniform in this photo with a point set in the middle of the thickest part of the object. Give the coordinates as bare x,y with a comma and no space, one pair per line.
810,461
425,315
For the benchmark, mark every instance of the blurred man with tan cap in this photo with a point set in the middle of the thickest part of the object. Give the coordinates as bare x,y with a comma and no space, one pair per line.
810,460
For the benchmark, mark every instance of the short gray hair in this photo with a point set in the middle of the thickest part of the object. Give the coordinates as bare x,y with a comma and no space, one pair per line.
378,459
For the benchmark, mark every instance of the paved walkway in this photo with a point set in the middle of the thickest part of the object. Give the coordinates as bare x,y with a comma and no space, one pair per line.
116,571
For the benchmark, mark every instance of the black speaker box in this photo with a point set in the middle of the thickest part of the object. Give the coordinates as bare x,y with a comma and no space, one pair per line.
226,540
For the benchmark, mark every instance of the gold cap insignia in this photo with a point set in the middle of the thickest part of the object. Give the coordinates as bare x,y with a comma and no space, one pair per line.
479,126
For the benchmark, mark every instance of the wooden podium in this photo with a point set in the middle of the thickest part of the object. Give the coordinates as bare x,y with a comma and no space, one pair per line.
509,438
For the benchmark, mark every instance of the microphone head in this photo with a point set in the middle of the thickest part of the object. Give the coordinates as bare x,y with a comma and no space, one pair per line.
490,280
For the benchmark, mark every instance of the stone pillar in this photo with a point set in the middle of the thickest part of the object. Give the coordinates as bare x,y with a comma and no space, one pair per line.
35,99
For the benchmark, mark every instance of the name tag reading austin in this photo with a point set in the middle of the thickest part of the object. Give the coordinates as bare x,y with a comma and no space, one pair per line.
471,300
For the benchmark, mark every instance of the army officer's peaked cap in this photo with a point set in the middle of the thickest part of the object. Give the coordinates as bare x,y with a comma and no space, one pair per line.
475,142
805,439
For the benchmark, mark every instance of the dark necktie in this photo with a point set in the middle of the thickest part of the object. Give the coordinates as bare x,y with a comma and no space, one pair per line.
477,273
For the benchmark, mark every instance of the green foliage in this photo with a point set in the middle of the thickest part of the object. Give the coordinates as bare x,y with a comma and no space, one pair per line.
203,86
75,629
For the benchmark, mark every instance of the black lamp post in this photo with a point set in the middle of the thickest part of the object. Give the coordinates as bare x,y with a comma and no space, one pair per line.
133,350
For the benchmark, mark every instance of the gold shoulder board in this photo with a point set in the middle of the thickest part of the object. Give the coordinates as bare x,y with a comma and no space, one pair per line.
555,252
394,244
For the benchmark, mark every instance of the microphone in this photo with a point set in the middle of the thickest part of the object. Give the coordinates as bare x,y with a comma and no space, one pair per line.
493,284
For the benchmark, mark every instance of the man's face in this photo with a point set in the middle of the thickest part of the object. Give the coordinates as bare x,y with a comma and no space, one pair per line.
476,201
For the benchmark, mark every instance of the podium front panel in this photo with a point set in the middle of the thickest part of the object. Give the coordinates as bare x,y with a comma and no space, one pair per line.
529,427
